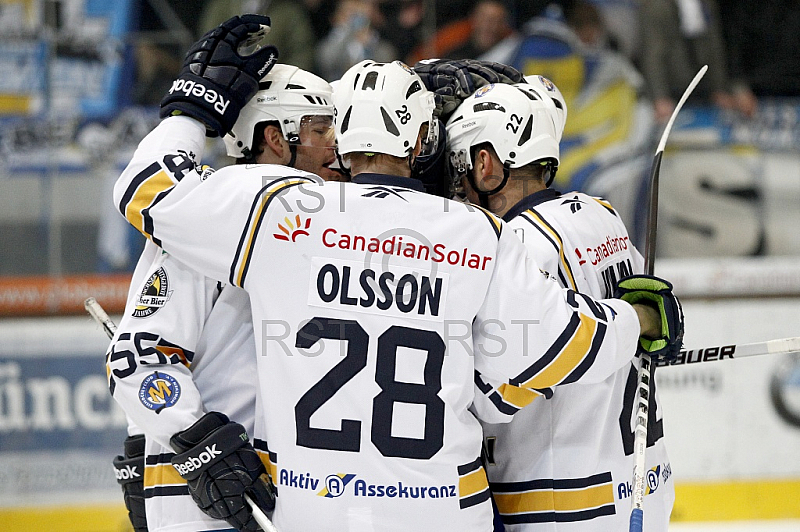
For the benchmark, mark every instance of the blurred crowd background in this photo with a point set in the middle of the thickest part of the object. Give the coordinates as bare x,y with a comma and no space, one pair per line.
81,81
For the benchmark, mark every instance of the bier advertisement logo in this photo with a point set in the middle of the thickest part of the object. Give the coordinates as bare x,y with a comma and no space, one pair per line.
154,295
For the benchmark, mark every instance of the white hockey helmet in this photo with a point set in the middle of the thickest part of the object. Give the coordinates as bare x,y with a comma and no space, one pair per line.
518,126
380,108
286,95
548,92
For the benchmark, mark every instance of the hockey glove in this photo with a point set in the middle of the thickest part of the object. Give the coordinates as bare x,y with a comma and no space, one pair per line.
220,467
130,475
218,77
657,293
452,81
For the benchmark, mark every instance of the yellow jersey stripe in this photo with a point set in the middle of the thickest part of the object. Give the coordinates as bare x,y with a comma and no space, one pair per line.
555,500
255,223
472,483
516,396
547,227
143,198
161,475
568,359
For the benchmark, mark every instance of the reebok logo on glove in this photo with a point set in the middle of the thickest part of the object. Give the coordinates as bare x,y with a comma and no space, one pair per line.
268,65
193,88
127,473
197,462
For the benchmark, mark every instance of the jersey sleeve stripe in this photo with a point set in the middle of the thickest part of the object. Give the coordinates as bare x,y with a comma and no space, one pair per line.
142,195
497,225
518,397
241,262
473,486
161,475
559,243
578,347
589,359
559,500
551,354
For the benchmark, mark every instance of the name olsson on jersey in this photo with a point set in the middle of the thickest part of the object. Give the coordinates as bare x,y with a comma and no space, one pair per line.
194,88
397,290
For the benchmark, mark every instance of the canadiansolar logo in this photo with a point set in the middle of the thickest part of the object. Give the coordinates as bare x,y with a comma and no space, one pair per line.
291,229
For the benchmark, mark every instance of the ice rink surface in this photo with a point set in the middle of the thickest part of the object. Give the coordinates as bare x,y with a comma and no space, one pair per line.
739,526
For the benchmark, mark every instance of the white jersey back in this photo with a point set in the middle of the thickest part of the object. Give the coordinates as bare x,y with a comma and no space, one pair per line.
183,347
374,305
565,463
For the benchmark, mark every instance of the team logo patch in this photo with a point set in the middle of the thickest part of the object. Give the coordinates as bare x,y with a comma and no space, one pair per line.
547,83
483,90
334,485
652,479
154,295
291,230
159,391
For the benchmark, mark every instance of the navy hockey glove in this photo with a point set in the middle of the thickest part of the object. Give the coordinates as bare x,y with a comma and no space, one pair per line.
453,80
656,293
219,76
220,467
130,475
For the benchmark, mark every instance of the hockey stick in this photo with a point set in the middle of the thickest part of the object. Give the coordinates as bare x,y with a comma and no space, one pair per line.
96,311
781,346
640,440
99,314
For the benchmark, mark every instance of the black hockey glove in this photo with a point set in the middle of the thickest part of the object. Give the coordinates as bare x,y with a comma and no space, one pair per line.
220,467
219,76
657,293
130,475
453,80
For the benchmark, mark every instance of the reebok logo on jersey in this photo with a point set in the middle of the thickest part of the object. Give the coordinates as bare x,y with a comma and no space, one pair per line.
197,89
126,473
292,230
196,462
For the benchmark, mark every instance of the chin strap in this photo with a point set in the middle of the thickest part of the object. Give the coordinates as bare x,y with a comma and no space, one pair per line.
483,195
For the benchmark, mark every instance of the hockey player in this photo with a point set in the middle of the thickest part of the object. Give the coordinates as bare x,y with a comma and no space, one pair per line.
188,340
564,463
374,305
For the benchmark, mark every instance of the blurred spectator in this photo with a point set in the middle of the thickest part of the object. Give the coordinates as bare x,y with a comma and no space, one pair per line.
405,24
679,37
291,29
588,24
319,12
763,41
352,38
489,26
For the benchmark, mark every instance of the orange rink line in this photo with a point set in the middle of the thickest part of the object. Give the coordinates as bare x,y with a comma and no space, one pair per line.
48,296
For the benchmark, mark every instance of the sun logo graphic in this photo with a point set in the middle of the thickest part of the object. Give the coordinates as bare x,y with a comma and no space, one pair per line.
292,229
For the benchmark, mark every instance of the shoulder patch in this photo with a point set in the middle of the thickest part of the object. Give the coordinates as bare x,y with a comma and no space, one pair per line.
154,294
159,391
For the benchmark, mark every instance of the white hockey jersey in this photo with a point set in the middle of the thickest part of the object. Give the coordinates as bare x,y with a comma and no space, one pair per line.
183,347
564,464
374,306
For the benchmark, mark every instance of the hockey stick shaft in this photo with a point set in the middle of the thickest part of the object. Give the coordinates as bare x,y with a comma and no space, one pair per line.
781,346
640,438
99,314
96,311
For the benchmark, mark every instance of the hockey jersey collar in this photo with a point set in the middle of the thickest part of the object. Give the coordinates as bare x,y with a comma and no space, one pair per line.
530,201
391,180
